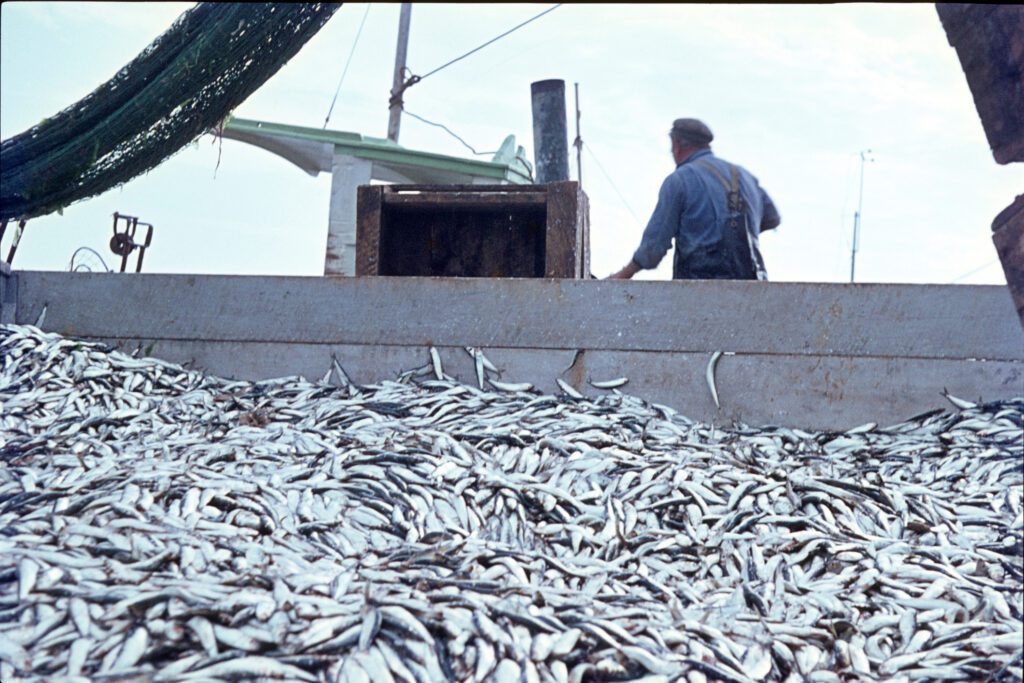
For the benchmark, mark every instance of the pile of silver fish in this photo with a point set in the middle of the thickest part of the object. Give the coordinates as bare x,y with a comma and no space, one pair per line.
161,524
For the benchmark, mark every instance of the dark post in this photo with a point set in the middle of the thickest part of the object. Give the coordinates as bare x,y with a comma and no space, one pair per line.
395,106
550,131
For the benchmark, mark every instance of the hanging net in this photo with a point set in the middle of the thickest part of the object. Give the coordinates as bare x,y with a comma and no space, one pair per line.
184,84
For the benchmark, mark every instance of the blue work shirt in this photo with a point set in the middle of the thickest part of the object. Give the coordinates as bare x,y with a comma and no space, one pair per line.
692,208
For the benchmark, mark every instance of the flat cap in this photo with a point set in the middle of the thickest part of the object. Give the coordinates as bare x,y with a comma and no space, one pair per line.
694,131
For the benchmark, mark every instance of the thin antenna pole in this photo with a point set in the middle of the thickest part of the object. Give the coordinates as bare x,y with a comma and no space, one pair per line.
395,117
578,143
856,216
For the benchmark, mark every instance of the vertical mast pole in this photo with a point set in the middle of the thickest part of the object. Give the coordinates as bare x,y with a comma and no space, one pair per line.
856,217
578,143
395,117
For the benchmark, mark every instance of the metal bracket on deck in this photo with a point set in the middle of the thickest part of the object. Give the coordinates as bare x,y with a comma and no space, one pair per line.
123,243
18,232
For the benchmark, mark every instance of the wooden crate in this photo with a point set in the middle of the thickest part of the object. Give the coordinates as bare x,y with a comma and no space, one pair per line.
525,231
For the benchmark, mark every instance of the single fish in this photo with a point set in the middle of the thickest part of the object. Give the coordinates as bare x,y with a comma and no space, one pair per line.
610,384
709,375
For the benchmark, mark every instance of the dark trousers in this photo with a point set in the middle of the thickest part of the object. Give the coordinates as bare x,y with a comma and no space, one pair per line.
732,258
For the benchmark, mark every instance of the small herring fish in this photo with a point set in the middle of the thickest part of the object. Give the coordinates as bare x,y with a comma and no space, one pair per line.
610,384
163,524
709,375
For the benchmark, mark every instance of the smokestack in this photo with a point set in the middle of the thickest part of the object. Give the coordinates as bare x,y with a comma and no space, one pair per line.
550,131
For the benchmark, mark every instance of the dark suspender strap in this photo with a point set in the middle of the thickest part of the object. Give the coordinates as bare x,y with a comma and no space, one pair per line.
721,178
732,189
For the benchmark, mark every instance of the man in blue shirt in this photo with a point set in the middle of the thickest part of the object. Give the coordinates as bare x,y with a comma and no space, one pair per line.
715,211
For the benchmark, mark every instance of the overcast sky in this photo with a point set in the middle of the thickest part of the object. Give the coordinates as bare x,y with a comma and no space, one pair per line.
793,93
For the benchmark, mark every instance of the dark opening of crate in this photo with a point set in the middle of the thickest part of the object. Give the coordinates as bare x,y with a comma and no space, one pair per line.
463,241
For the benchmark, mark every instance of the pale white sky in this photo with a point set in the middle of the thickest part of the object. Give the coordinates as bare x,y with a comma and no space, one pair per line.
792,92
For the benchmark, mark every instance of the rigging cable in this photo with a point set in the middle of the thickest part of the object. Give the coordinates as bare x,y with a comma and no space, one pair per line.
347,62
492,40
396,97
972,272
450,132
612,183
526,164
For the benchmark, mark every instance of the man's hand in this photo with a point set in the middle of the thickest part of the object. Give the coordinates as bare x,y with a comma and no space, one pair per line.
626,273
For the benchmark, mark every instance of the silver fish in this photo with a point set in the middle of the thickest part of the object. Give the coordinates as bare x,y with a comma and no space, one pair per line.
165,524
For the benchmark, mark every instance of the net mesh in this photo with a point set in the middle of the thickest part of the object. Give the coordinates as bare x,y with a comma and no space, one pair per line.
184,84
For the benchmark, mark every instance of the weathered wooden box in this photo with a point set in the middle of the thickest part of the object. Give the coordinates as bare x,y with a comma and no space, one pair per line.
524,231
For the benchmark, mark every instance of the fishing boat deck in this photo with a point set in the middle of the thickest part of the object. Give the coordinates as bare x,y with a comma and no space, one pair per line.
823,356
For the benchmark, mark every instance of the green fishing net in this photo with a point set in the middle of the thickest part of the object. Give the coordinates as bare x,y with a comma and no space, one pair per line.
184,84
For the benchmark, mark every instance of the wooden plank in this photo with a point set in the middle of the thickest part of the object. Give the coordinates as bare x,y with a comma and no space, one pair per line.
462,200
517,189
368,220
583,234
989,41
914,321
812,392
561,252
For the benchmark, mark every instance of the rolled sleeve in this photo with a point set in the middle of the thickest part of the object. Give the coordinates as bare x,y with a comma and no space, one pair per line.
662,227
